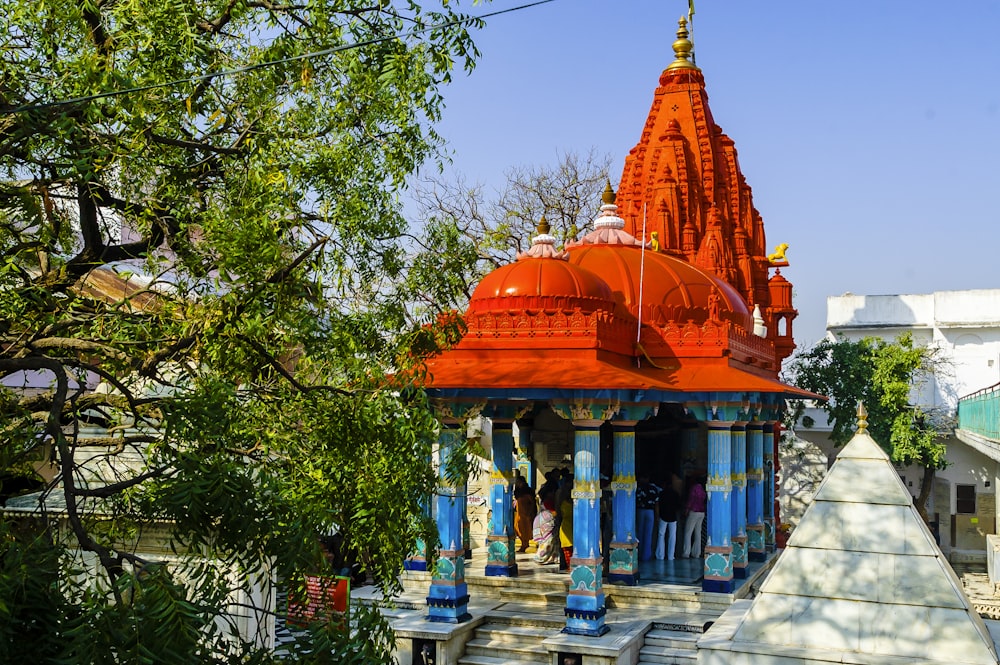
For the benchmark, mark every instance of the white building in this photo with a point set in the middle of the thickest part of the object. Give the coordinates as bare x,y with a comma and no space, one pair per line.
965,328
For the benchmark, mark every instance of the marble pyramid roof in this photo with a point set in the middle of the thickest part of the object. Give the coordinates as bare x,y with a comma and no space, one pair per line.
862,579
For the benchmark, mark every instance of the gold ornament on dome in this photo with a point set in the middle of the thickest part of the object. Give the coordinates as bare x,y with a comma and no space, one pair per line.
682,48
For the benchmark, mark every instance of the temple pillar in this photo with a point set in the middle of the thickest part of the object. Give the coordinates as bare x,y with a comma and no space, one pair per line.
738,506
463,498
501,552
448,597
755,492
421,551
768,453
585,609
779,535
624,565
719,550
524,454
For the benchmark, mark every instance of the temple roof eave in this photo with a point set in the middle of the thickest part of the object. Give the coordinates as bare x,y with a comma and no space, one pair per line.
528,375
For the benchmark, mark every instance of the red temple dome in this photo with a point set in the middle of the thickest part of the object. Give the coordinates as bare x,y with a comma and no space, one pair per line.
672,289
541,279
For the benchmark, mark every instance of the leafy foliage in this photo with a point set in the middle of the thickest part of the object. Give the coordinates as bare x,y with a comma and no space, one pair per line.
883,375
199,347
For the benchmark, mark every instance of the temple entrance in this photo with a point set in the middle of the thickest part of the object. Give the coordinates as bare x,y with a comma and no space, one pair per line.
660,446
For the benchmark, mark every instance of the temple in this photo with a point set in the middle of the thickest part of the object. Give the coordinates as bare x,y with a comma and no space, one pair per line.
654,342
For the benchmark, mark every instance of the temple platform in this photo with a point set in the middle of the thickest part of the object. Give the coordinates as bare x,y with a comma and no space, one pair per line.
520,619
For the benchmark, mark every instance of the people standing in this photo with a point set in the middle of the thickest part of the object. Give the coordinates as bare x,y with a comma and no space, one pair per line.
545,534
694,515
670,505
525,510
647,495
566,522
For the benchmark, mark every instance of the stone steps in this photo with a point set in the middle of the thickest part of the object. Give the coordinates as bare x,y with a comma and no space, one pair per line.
669,647
675,639
484,660
501,643
542,596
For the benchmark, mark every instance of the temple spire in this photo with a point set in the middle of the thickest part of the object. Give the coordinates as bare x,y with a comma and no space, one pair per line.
682,48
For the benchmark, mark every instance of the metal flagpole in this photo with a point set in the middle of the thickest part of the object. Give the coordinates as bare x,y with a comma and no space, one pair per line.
642,271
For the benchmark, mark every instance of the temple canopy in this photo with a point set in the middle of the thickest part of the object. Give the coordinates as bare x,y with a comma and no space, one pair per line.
667,301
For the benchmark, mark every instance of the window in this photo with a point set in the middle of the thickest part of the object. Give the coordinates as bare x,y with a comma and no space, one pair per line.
965,499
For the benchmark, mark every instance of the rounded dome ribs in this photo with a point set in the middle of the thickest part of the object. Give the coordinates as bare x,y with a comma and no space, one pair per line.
541,284
672,289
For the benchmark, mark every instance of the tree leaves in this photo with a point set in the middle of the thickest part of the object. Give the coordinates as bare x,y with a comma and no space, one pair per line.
886,376
213,262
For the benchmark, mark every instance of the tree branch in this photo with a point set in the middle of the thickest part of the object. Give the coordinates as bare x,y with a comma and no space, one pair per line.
74,344
114,488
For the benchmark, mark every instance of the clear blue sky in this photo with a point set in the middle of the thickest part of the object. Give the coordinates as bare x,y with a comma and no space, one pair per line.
868,130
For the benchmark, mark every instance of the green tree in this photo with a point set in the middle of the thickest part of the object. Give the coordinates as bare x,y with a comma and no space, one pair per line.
883,375
199,214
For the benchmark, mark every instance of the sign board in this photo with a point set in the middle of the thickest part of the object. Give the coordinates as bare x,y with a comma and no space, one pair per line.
324,598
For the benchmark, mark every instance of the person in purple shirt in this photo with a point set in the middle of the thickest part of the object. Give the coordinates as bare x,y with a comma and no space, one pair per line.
694,515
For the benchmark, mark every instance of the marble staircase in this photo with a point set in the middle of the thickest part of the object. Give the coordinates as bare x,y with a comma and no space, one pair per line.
502,642
669,644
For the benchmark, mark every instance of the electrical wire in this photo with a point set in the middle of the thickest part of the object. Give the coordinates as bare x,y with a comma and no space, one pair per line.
269,63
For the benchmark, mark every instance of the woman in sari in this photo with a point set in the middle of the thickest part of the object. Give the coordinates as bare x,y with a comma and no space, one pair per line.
524,509
544,533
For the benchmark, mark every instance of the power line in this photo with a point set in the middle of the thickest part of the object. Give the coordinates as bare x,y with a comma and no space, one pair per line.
269,63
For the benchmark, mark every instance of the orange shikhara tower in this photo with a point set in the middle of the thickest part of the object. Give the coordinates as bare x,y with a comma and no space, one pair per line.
682,183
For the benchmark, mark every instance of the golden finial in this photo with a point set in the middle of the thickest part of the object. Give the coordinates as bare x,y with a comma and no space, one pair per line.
543,226
862,418
682,48
608,196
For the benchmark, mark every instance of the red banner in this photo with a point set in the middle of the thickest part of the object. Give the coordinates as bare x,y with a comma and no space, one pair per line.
324,599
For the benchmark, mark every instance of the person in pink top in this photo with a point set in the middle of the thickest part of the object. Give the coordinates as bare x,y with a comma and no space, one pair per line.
694,515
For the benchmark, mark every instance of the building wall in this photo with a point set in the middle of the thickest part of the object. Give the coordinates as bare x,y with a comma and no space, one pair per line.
964,326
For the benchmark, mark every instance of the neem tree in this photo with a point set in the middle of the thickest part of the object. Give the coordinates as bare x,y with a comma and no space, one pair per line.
883,375
217,250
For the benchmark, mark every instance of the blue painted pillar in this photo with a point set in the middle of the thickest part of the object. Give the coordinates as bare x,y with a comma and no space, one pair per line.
501,557
448,598
463,498
624,564
719,551
769,526
738,460
585,608
421,552
524,452
755,492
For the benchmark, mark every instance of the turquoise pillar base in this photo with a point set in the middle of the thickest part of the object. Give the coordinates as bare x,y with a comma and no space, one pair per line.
740,557
501,557
718,570
417,560
756,550
769,534
585,608
623,566
448,597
